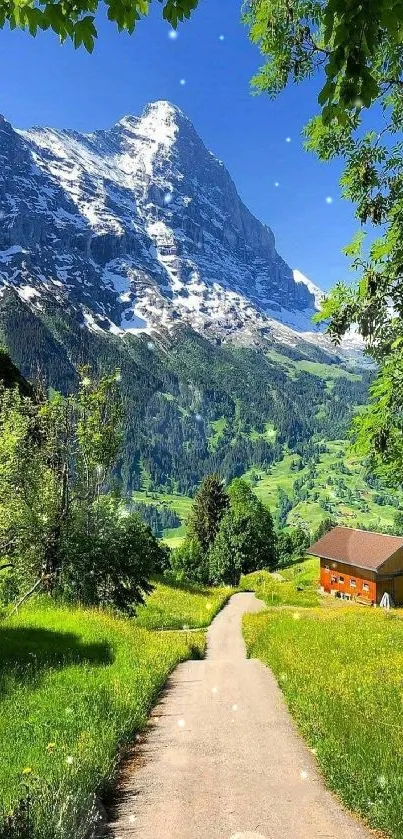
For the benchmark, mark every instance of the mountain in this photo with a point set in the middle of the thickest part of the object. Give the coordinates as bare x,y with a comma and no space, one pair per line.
139,227
131,248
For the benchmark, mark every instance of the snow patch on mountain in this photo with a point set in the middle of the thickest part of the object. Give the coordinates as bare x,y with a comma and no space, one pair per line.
318,293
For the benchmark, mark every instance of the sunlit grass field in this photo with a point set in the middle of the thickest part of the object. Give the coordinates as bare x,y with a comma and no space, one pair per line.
75,687
293,586
341,671
174,606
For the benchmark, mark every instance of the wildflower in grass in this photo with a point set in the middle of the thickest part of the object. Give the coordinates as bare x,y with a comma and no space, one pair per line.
50,747
185,626
303,775
69,760
296,616
381,781
69,711
26,771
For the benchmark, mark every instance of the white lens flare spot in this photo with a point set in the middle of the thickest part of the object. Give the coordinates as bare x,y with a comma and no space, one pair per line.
249,834
182,82
198,418
168,198
221,38
150,345
69,760
235,707
288,139
214,690
329,199
276,183
172,35
181,723
303,775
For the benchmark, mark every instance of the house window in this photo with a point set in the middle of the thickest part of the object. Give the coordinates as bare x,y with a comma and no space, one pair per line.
353,583
365,586
341,579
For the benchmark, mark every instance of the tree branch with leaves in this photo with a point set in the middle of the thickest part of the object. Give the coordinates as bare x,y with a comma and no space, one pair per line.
355,51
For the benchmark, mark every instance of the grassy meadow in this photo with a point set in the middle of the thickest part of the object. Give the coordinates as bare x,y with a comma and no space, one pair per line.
293,586
76,684
174,606
341,671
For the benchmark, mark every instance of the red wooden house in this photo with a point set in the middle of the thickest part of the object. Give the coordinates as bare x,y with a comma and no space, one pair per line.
360,565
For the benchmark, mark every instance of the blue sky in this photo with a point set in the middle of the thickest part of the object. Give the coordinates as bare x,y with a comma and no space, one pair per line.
45,83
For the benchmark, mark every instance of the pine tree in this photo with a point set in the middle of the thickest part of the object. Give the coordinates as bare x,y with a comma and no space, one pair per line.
210,504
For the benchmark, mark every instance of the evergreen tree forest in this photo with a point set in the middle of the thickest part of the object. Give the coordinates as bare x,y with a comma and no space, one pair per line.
191,407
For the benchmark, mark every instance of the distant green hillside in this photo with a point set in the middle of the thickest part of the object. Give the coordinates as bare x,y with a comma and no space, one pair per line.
192,406
329,483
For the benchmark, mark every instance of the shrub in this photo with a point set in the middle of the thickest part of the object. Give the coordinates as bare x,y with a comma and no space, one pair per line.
108,557
190,563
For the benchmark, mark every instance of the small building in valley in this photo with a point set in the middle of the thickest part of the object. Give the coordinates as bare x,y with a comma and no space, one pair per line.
360,565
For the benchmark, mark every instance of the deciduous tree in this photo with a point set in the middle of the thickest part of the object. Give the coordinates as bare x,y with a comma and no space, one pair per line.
76,21
355,49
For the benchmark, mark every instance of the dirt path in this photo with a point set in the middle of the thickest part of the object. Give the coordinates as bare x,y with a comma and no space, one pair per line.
222,759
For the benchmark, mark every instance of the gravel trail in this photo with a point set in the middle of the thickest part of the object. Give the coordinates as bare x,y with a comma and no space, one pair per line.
221,758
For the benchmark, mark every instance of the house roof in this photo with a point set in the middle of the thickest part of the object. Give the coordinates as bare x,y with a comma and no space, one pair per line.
360,548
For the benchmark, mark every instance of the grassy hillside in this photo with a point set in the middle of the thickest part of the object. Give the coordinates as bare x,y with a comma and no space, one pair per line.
335,486
173,606
294,586
180,504
76,686
341,673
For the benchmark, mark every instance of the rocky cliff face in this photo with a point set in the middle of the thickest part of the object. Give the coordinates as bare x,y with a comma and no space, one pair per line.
138,228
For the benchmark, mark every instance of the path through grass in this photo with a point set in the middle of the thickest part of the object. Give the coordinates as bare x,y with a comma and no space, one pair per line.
75,686
341,671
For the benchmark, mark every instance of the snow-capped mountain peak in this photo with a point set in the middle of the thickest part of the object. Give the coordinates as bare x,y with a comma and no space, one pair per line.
140,227
317,292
